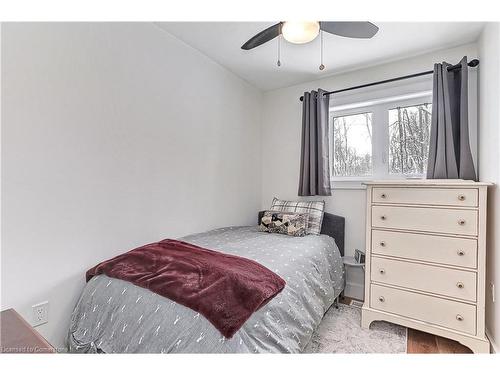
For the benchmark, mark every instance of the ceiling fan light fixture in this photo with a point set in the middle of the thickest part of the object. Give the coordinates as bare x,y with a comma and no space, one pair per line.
300,32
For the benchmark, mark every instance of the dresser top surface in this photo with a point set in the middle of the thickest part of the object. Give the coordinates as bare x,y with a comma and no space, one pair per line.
425,182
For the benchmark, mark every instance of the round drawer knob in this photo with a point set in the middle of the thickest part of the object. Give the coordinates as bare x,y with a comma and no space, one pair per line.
382,243
460,285
461,221
383,196
382,271
383,217
459,317
461,253
461,197
381,299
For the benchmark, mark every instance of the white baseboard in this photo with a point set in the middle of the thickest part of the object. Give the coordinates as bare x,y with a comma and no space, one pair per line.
494,345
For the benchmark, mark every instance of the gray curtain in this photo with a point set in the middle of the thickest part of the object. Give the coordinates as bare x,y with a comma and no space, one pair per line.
449,149
314,156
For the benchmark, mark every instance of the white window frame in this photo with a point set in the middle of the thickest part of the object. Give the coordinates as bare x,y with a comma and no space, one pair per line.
380,138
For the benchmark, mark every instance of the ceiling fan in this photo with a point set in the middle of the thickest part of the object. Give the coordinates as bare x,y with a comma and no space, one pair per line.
300,32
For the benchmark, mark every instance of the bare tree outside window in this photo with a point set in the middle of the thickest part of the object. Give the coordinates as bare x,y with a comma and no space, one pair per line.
409,129
352,145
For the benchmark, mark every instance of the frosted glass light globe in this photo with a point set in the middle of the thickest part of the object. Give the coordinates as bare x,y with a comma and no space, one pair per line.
300,32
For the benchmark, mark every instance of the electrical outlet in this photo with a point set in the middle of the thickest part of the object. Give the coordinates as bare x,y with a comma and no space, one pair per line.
40,313
492,290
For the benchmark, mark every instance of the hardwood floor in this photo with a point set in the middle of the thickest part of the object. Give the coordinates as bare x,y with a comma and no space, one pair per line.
425,343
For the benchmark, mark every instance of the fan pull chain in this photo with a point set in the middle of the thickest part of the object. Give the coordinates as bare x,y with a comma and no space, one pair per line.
279,51
321,67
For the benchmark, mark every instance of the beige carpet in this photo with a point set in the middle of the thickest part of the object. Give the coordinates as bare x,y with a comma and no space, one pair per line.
340,332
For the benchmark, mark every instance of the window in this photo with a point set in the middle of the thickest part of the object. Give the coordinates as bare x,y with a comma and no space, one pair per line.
409,129
352,145
380,139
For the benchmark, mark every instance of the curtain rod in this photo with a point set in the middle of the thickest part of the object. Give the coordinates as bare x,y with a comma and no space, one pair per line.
472,63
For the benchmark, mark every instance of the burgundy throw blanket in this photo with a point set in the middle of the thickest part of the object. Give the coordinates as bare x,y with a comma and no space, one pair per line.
225,289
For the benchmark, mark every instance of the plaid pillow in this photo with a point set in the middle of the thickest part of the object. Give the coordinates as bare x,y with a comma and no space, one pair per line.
289,223
315,209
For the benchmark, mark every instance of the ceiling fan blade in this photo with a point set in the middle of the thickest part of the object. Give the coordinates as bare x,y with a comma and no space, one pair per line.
263,37
350,29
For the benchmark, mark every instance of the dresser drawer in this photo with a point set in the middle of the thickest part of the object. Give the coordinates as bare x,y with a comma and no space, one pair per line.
453,251
441,220
432,279
450,314
432,196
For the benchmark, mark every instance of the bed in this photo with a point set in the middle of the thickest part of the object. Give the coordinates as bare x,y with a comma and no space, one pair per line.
115,316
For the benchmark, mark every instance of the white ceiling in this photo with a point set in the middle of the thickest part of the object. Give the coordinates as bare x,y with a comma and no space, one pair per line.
221,41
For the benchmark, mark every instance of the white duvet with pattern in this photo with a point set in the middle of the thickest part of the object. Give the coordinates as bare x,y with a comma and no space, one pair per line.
115,316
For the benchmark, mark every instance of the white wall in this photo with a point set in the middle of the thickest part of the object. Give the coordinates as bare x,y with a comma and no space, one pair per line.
281,132
489,166
113,135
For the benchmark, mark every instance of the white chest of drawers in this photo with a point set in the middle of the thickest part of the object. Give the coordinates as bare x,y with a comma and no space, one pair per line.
425,257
